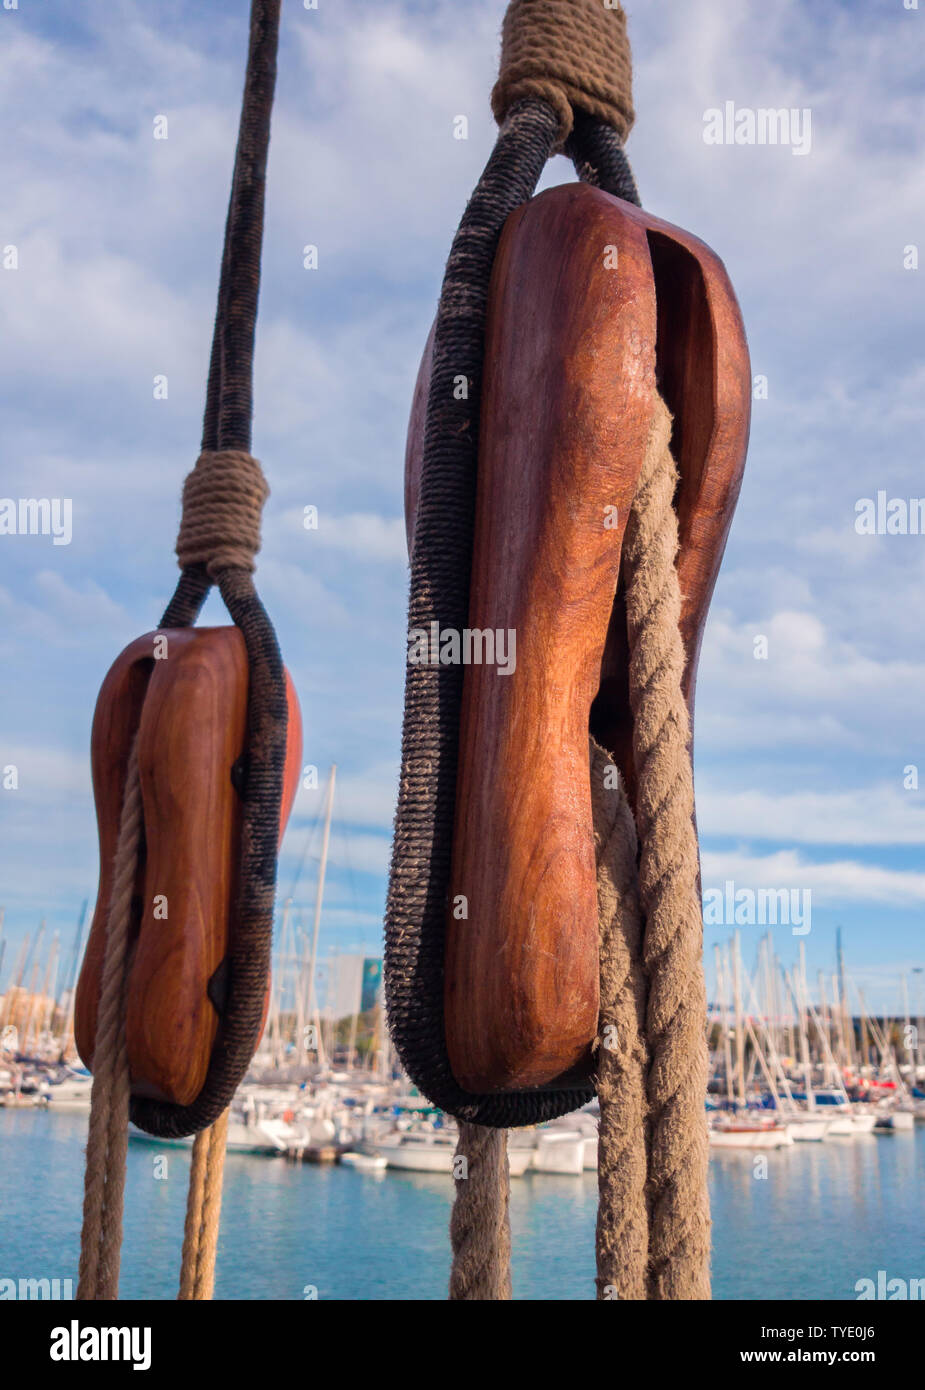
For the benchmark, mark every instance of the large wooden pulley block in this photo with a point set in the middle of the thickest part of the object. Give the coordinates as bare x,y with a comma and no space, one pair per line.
184,691
594,307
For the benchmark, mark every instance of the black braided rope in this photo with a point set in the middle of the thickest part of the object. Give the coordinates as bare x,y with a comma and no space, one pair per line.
250,943
440,570
599,157
227,425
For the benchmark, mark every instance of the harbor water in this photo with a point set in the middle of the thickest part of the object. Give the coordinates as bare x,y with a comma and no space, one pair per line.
805,1222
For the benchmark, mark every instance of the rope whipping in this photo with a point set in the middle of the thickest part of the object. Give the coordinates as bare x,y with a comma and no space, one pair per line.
572,54
219,538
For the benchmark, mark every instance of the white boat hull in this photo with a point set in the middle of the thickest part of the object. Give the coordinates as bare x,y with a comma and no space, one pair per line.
811,1131
846,1124
518,1161
559,1153
419,1158
589,1154
364,1163
750,1138
78,1100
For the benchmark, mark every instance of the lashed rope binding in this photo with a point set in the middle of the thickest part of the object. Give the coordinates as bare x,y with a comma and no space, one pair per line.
572,54
219,537
565,83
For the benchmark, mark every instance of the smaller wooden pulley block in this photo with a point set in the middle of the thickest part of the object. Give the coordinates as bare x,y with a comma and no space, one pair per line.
184,692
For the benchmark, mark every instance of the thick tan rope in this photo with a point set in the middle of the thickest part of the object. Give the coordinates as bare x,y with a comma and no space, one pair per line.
571,54
203,1210
223,501
622,1217
653,1229
669,885
107,1138
480,1230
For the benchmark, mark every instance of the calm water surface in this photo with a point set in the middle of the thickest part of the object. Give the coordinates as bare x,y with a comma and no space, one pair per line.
825,1216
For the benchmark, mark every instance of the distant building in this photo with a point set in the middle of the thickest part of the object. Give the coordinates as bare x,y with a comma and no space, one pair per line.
352,984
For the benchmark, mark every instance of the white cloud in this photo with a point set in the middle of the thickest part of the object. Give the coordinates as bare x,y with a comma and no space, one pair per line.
837,881
120,238
881,815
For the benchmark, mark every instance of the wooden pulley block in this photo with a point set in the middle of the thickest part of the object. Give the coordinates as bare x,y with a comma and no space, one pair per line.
185,692
594,307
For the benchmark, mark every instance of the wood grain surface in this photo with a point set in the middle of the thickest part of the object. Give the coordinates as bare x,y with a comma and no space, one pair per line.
190,712
577,340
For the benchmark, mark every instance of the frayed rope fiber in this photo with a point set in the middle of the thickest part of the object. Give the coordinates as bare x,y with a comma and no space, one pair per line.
223,501
572,54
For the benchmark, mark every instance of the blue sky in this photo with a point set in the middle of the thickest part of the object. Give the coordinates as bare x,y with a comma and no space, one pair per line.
799,757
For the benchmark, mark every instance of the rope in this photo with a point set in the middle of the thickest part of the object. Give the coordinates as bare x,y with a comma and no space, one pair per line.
229,394
600,159
203,1209
565,83
218,539
250,942
653,1227
107,1137
669,878
480,1228
441,560
223,501
440,565
623,1217
570,54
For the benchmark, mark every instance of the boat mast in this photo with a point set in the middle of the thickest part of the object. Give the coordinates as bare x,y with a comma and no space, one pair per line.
804,1040
740,1031
277,1051
908,1033
772,1057
847,1023
28,1008
319,897
13,990
724,1020
70,984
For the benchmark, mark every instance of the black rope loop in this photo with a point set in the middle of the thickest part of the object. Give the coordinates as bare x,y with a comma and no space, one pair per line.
227,425
440,573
